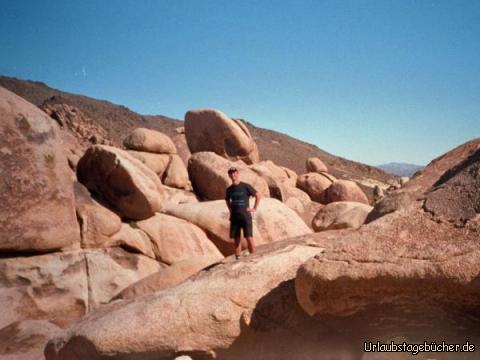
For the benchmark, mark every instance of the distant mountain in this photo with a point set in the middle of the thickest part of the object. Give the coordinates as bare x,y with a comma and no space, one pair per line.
400,169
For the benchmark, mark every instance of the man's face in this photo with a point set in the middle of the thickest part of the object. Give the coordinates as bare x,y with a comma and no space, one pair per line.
234,176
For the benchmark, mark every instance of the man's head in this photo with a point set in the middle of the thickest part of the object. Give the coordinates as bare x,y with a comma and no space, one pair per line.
233,174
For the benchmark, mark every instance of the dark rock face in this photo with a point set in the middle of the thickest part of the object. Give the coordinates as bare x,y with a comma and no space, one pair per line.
37,210
456,195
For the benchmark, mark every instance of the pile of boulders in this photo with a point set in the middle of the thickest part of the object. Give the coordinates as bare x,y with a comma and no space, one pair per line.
411,276
158,152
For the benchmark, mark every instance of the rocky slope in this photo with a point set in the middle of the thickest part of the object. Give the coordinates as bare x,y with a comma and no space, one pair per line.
407,276
118,120
103,242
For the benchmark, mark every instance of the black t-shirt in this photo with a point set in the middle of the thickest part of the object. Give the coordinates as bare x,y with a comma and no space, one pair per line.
238,196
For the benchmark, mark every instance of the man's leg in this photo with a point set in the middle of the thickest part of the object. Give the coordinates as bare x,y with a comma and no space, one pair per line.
248,233
251,246
238,246
235,235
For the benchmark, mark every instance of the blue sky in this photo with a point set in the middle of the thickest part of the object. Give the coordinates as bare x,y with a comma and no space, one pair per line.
372,81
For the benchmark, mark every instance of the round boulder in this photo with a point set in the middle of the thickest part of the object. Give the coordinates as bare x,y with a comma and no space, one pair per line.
341,215
314,164
315,184
142,139
212,130
345,190
208,174
175,239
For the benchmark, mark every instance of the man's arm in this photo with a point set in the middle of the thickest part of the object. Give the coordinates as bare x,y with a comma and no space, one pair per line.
227,200
257,202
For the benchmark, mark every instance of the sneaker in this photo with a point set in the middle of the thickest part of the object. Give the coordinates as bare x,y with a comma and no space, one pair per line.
237,257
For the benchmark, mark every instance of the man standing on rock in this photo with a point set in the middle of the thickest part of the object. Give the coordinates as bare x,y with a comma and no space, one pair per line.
237,197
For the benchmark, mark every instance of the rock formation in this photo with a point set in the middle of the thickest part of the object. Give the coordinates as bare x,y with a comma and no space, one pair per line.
125,182
212,130
341,215
272,222
36,190
345,190
208,174
314,164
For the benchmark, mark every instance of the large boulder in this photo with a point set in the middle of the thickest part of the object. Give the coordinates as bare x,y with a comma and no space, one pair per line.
345,190
37,211
314,164
175,239
212,130
455,196
62,287
168,277
315,184
125,182
449,184
148,140
273,221
409,274
53,287
112,270
341,215
208,174
202,317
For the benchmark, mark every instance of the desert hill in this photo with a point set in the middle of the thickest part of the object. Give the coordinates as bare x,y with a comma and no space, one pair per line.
118,120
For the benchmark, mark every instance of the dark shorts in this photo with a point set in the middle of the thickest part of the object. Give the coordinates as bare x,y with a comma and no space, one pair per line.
236,225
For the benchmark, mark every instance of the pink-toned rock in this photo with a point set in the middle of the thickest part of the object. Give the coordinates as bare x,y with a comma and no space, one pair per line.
125,182
345,190
112,270
176,175
178,196
273,221
278,173
132,239
25,340
208,174
148,140
212,130
86,130
168,277
292,176
314,164
175,239
97,224
218,305
158,163
341,215
53,287
315,184
62,287
408,274
37,211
